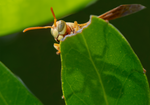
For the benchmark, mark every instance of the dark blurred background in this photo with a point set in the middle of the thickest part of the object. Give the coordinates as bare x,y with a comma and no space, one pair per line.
31,55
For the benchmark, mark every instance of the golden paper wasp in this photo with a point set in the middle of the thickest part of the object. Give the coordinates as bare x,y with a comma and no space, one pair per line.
61,28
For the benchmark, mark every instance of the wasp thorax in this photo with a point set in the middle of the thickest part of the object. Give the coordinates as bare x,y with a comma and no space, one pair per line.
59,30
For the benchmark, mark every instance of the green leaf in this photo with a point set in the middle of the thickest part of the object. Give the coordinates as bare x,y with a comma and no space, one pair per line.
100,68
16,15
12,90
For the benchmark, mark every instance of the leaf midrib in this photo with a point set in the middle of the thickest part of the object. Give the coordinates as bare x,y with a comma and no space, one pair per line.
96,70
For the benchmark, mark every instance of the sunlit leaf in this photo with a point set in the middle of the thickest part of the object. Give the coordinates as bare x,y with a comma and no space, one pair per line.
100,68
13,91
16,15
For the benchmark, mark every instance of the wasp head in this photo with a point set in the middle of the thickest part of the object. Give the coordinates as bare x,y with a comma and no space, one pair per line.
58,30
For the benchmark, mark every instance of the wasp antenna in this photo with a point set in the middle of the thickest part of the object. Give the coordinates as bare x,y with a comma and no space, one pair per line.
34,28
53,16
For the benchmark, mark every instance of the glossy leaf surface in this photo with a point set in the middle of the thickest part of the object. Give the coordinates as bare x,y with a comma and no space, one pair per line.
13,91
100,68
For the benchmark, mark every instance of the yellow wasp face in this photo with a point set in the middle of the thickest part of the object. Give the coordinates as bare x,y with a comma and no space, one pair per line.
59,30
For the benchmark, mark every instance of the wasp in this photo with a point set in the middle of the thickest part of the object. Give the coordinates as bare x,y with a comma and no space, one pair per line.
60,28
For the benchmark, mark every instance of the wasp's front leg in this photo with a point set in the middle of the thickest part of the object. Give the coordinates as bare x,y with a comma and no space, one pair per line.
57,47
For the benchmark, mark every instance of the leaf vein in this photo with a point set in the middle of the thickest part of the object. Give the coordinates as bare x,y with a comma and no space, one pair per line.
3,99
73,91
99,76
122,85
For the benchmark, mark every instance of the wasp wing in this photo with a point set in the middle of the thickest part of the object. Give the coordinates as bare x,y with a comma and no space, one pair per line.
122,10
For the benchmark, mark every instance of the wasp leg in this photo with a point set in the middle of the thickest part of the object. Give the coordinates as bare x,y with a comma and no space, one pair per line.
107,21
63,97
144,71
57,47
84,24
76,27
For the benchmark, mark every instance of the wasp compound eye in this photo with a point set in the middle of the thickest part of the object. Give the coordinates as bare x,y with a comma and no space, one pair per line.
61,25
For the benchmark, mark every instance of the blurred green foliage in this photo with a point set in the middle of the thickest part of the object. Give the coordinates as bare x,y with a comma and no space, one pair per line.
31,55
16,15
13,91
